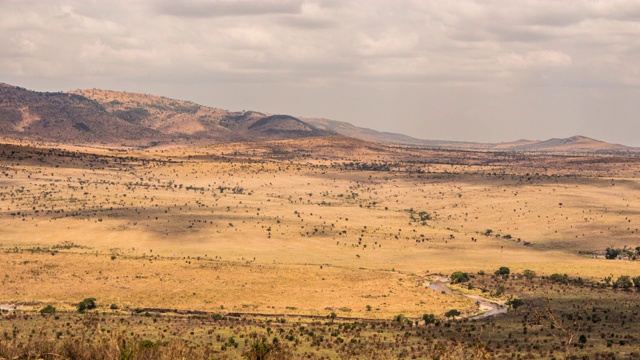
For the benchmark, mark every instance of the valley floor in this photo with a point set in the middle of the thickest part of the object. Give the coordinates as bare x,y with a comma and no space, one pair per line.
309,227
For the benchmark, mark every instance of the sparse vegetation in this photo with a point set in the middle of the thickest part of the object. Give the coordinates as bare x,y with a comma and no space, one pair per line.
192,247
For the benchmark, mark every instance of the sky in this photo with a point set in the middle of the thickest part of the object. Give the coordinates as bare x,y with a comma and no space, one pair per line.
485,71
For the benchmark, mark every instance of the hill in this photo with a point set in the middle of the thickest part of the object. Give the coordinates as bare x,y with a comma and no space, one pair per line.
190,120
64,117
576,144
133,119
110,117
571,144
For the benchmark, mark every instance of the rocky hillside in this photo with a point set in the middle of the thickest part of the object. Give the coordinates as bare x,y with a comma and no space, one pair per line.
122,118
66,118
190,120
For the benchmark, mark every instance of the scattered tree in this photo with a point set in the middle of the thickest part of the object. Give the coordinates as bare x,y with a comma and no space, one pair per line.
48,310
452,313
459,277
429,319
529,274
87,304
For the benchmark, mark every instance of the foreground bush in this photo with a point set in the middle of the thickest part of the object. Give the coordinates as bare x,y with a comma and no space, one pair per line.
107,347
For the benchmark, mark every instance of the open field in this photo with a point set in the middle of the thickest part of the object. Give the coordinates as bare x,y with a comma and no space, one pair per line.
307,228
592,323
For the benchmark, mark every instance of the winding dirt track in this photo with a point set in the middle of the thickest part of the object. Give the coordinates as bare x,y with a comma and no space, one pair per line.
487,307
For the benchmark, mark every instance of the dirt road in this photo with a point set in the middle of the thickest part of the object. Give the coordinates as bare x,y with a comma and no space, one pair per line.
486,307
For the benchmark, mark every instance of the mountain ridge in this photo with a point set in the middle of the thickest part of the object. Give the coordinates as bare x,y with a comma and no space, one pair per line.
135,119
576,143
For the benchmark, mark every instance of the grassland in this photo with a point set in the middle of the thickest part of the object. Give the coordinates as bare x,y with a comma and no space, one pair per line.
302,229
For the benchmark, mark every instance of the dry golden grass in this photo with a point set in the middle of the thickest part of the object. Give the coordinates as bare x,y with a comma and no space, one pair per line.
300,226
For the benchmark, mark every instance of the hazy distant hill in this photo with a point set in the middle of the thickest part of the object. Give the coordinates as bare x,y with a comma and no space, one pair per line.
347,129
572,144
114,117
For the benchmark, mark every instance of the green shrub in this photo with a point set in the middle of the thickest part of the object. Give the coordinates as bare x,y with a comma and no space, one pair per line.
612,253
48,310
87,304
529,274
623,282
559,278
429,318
515,303
459,277
452,313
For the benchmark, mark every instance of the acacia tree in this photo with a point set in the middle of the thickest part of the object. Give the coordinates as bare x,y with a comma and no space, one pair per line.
452,313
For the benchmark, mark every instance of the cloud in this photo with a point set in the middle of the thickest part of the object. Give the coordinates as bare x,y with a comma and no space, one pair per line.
350,49
221,8
539,58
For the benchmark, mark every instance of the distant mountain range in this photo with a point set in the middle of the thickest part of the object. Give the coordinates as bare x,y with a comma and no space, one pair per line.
123,118
571,144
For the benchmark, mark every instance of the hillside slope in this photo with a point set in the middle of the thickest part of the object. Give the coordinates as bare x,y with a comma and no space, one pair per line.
65,118
193,121
122,118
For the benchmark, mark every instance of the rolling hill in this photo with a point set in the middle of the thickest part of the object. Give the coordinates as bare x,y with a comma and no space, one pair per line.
110,117
133,119
571,144
184,119
66,118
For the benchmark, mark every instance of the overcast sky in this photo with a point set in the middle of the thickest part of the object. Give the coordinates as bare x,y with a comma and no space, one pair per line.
487,71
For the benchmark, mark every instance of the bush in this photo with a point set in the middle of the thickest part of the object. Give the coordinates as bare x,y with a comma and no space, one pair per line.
529,274
113,307
400,318
261,349
429,319
48,310
503,271
515,303
87,304
147,344
623,282
612,253
582,339
459,277
559,278
452,313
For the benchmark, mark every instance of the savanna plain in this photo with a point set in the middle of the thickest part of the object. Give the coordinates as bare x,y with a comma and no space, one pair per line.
316,248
